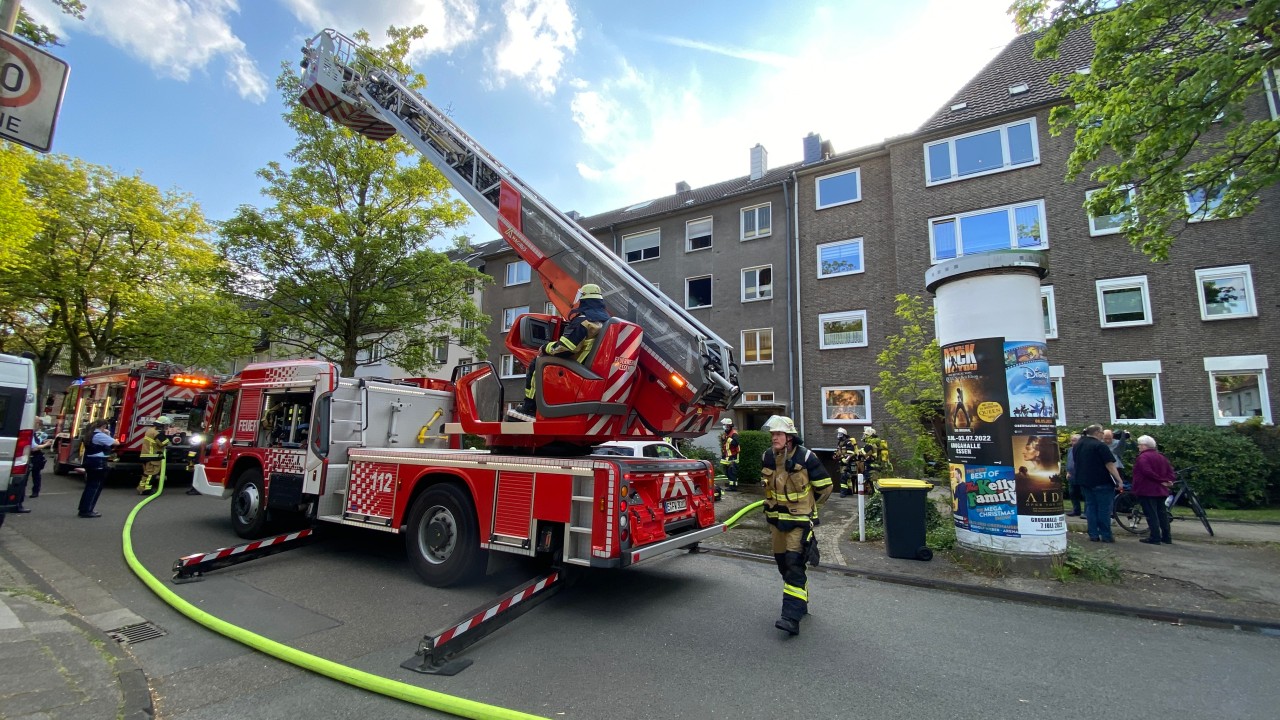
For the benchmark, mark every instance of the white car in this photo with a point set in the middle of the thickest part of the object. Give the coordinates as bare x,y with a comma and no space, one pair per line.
638,448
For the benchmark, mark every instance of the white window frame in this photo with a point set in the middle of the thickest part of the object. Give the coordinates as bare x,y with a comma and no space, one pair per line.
510,314
513,268
824,318
862,257
550,309
1135,370
1223,272
817,188
710,281
1056,375
743,346
742,225
1004,149
1094,230
1122,283
866,395
1013,228
656,233
759,295
507,367
440,349
1198,215
688,240
1238,365
757,397
1271,80
1047,297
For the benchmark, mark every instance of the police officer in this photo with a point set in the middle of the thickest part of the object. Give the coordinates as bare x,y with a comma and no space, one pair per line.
796,484
729,450
846,457
577,336
154,442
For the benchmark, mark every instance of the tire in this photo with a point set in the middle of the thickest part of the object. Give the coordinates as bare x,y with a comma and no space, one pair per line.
924,553
1199,511
249,505
442,538
1128,514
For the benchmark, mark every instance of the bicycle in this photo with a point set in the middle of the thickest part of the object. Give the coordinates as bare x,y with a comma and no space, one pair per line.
1128,514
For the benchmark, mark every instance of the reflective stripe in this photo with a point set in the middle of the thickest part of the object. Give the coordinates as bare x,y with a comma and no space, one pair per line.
796,592
789,497
779,515
821,482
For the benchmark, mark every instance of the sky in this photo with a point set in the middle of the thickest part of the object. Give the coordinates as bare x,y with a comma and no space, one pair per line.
598,104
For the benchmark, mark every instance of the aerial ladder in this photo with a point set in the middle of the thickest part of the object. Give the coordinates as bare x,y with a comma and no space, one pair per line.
656,370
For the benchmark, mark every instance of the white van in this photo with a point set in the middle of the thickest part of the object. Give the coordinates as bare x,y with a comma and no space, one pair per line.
17,425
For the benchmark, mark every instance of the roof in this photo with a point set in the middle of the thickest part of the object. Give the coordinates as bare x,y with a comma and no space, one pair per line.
988,94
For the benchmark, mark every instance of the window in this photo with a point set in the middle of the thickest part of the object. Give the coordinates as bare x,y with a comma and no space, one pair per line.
509,367
1109,224
757,397
1239,387
1272,82
697,235
550,309
757,283
697,292
842,329
846,405
982,153
1050,310
839,189
757,221
1059,405
1016,227
517,273
757,346
1133,392
509,316
467,362
1226,292
440,350
1124,302
843,257
641,246
1203,203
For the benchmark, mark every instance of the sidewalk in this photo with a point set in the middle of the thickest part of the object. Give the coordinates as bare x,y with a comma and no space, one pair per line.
60,664
1234,575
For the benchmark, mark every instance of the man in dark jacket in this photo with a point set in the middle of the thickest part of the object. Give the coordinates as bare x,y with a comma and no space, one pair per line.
577,336
1099,481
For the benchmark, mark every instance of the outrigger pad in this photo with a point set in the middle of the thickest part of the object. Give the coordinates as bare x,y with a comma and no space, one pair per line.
420,664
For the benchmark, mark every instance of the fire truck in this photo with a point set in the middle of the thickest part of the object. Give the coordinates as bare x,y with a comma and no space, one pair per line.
293,438
131,396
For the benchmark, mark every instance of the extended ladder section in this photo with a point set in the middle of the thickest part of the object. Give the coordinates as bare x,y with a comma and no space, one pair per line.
345,83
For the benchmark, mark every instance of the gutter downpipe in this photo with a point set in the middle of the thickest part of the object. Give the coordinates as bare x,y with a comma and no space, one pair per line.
798,327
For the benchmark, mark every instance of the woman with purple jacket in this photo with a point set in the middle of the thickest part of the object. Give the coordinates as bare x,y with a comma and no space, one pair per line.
1153,475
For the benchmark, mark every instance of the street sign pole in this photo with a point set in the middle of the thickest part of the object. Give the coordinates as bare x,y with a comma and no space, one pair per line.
9,14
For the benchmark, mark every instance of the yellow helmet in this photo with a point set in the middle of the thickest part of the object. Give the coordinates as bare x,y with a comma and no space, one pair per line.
590,291
782,424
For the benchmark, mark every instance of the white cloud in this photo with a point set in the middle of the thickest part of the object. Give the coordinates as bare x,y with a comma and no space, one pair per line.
764,57
538,36
450,23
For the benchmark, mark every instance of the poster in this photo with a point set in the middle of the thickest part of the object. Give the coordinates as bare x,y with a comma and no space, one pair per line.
976,402
991,504
1034,448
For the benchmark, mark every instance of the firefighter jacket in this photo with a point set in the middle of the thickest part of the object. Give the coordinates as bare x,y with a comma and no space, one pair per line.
846,451
153,443
580,330
795,486
876,452
729,448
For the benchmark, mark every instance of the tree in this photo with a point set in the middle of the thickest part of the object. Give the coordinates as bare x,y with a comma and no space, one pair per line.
1162,111
41,35
911,385
341,264
17,224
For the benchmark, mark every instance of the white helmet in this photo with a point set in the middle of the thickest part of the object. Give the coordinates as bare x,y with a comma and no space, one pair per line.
781,423
727,421
869,432
841,431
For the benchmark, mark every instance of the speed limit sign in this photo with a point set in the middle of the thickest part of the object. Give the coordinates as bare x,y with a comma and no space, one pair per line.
31,85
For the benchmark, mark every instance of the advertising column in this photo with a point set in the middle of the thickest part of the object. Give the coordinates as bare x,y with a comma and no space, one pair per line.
1002,442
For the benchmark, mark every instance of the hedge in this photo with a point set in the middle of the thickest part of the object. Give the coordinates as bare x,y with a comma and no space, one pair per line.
752,444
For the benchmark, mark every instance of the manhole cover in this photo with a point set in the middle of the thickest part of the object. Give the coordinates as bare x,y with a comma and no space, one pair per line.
132,634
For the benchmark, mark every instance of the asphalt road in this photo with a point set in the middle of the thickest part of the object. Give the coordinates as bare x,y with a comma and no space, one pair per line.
687,635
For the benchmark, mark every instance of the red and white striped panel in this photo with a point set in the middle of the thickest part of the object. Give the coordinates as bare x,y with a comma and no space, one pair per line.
502,606
335,108
226,552
621,373
372,489
152,393
285,460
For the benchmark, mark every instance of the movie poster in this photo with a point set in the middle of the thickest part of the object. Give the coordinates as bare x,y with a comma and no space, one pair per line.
1034,442
976,402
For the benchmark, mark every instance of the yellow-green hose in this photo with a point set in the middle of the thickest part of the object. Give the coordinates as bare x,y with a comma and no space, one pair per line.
738,515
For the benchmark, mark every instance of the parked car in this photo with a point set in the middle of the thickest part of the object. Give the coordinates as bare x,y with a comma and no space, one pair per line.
17,423
638,448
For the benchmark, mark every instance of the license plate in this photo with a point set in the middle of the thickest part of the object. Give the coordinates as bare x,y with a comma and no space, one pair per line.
672,506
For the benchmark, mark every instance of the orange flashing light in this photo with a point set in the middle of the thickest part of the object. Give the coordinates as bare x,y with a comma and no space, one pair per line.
677,381
195,381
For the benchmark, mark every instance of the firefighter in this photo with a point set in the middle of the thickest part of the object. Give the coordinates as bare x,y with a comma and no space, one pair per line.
154,442
577,335
846,457
875,452
796,484
729,450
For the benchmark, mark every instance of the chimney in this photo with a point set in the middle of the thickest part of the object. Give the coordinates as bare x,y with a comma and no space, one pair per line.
812,148
574,215
759,161
682,187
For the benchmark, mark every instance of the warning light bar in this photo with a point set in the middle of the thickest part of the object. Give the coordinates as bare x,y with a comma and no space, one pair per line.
195,381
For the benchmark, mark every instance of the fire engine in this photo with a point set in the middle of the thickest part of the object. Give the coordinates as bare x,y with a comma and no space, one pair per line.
131,396
293,437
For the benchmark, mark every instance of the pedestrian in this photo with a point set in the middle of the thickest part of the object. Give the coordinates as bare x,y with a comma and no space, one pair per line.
796,485
729,450
154,441
1073,488
1153,476
40,441
577,335
1099,482
846,457
96,448
1115,441
874,455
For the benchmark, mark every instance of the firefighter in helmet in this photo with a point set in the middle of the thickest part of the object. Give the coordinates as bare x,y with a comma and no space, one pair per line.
796,484
153,444
846,457
729,450
577,335
875,454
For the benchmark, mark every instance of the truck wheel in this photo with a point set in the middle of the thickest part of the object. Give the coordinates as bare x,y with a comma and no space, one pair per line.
442,540
249,505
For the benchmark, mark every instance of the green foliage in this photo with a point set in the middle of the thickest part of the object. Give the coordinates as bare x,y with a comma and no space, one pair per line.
1162,110
697,452
341,263
911,388
40,35
18,225
1267,439
474,442
751,445
1099,565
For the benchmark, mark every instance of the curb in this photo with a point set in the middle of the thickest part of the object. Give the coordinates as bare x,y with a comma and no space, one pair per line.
135,692
1173,617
